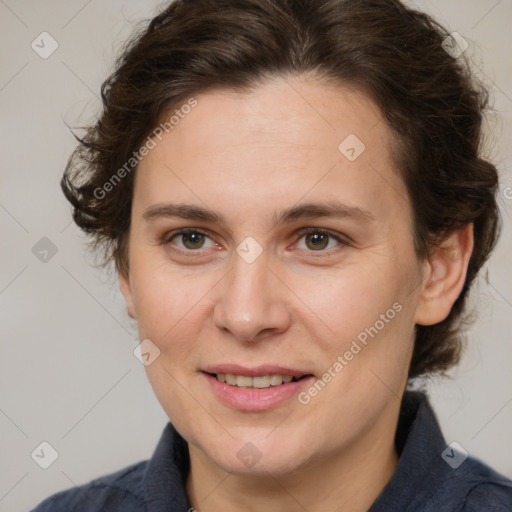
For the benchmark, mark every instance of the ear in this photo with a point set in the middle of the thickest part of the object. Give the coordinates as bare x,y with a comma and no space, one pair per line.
446,271
124,285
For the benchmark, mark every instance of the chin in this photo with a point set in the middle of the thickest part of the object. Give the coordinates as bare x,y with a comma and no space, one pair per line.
257,453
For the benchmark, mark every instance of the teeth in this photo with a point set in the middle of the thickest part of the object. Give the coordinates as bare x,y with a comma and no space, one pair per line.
230,379
261,381
275,380
243,382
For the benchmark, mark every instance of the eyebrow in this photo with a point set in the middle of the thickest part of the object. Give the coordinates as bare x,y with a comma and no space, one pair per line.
333,209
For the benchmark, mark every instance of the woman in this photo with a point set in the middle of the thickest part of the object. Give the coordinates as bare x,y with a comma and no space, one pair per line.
295,201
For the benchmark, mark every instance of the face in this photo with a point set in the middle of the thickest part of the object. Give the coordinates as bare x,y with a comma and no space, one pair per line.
262,251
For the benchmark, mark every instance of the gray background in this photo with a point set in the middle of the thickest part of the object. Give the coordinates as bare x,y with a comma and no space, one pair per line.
67,372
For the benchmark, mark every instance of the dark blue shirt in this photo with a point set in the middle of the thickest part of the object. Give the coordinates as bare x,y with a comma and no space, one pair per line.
429,477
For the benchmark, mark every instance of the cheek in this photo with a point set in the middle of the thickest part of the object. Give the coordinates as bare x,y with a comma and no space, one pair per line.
157,298
366,313
171,305
349,298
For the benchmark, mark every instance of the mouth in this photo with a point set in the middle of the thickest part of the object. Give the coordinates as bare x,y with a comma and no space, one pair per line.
259,381
255,389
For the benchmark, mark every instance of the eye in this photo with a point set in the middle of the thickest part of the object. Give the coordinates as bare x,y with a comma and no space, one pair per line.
190,240
313,239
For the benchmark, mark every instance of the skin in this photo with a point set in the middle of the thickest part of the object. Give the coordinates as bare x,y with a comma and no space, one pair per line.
246,156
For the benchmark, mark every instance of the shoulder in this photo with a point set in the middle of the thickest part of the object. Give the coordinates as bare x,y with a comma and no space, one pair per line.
483,488
491,497
119,491
432,475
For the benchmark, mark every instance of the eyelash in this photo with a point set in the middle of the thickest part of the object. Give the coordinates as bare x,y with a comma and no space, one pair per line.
306,231
300,234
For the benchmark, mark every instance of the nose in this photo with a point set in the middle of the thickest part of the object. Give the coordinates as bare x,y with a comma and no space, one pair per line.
252,303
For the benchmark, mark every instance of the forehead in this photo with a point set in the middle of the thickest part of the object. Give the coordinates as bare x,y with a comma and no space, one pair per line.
286,140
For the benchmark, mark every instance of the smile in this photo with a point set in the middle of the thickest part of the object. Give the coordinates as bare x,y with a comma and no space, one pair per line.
260,381
255,389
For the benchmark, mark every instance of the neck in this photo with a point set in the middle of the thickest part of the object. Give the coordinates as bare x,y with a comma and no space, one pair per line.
350,479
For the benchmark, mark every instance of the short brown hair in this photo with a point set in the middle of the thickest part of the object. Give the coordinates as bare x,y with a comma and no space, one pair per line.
395,54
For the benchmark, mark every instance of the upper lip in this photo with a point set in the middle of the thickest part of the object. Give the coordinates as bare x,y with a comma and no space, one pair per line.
255,371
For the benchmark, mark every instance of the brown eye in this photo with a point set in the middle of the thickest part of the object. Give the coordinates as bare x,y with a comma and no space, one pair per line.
317,241
190,240
193,240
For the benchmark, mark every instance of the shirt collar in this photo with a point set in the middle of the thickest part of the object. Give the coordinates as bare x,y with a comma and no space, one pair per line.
166,474
418,440
420,469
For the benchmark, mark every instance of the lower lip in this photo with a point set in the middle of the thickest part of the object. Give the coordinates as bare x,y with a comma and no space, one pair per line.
255,399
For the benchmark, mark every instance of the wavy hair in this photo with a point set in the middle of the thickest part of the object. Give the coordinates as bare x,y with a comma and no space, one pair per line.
395,54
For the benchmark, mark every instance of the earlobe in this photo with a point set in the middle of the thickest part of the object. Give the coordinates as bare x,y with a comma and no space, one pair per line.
124,286
447,269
